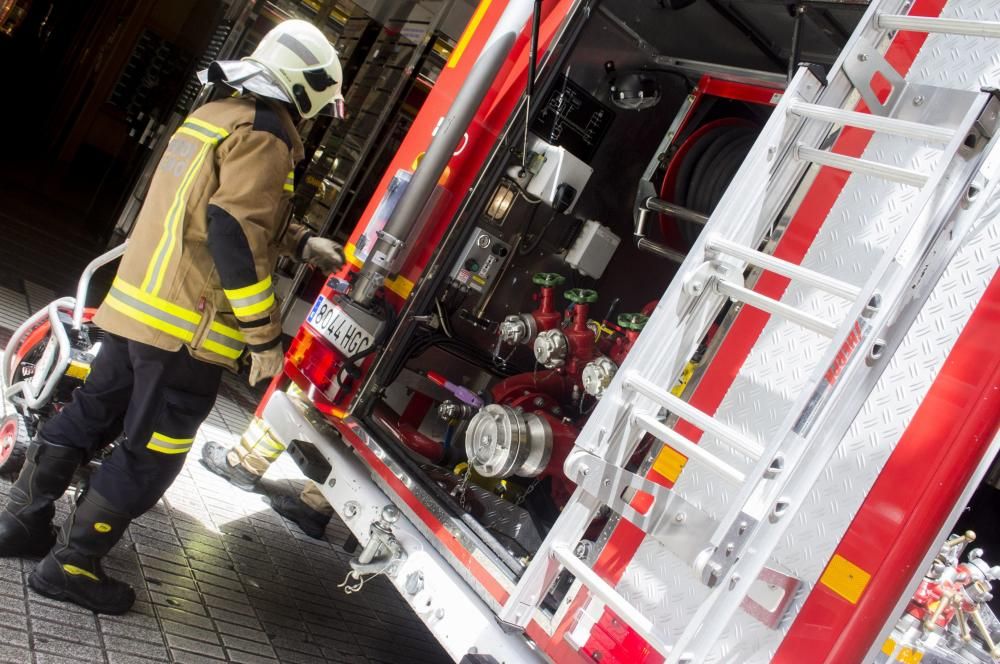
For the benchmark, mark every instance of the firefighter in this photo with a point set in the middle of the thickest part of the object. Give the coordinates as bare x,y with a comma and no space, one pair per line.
244,465
192,293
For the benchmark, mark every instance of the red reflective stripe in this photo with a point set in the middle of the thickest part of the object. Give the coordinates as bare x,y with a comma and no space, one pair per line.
935,458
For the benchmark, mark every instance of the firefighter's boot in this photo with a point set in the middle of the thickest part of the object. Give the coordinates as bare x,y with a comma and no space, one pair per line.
26,522
312,522
72,571
215,457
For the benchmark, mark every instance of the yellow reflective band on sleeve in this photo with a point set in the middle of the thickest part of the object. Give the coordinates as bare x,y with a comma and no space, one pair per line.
251,290
253,299
254,309
168,445
73,570
227,331
290,182
206,128
197,135
153,280
220,349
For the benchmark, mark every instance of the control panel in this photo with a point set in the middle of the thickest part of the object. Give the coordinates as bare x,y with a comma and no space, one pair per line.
481,261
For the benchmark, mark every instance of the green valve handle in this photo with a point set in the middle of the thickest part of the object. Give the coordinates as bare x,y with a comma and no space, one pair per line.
581,295
547,279
633,321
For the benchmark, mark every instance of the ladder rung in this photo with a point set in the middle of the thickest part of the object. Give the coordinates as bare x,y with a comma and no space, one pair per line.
950,26
784,268
869,121
611,597
776,308
689,413
864,166
689,449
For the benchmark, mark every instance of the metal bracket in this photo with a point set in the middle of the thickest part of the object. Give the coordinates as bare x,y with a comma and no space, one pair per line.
862,65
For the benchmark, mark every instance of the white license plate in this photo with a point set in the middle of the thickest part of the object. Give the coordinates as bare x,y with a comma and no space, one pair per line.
338,328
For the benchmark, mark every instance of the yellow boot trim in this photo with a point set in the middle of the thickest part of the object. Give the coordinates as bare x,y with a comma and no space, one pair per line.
73,570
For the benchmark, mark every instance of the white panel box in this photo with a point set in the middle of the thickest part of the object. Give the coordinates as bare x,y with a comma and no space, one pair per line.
592,250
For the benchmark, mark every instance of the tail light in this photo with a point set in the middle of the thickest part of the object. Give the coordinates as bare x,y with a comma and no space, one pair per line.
317,363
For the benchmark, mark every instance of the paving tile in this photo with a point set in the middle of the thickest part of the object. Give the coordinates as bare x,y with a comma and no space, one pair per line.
47,628
224,619
173,601
182,657
14,654
126,658
184,617
124,647
293,657
13,637
191,645
246,632
190,632
234,642
78,652
241,657
131,631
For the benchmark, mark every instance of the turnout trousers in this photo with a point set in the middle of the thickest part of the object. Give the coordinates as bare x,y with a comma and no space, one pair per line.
158,398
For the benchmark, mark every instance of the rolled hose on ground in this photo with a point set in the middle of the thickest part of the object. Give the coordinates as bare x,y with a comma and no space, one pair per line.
702,169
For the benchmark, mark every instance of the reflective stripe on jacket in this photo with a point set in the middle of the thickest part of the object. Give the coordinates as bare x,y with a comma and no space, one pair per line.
197,270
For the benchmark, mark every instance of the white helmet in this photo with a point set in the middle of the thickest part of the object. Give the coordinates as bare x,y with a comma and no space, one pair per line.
304,65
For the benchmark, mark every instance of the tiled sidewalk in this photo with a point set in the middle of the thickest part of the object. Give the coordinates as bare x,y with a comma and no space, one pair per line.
219,576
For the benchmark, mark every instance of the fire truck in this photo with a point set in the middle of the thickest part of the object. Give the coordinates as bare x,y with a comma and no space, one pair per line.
641,357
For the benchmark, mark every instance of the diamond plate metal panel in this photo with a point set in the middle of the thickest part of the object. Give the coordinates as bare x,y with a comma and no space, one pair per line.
867,213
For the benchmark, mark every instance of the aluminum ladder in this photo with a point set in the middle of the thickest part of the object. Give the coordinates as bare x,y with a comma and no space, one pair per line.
853,351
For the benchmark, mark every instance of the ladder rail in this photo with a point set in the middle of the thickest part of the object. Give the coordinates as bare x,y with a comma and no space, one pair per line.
774,501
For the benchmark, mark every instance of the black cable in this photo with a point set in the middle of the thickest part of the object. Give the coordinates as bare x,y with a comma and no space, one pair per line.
350,363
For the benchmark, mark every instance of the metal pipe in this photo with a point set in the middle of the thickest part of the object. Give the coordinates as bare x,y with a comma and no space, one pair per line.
398,228
655,204
689,413
950,26
871,121
84,284
688,448
362,168
775,308
645,244
863,166
793,58
784,268
601,589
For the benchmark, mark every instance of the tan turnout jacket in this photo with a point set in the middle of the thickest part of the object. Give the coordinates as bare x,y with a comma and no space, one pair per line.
197,270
